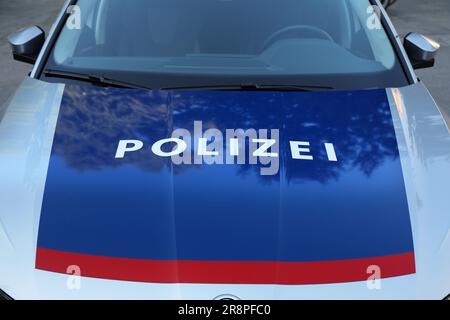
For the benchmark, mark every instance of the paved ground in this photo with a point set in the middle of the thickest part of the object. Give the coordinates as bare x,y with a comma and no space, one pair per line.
428,17
15,14
431,18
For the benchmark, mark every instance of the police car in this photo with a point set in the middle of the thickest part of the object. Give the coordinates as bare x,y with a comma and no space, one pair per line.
260,149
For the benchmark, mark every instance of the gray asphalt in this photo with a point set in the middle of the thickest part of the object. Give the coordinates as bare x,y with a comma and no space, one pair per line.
16,14
429,17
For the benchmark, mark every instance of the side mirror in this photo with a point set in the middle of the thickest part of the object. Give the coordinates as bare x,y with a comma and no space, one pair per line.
27,43
421,50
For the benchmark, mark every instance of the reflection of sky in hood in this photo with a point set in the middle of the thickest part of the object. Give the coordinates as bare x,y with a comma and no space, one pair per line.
93,120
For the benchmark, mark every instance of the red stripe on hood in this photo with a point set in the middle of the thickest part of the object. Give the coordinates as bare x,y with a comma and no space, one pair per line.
225,272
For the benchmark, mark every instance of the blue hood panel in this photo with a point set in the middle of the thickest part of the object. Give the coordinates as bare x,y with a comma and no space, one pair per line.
142,218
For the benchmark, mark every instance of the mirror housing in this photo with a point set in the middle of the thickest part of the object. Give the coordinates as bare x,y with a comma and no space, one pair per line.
421,50
27,43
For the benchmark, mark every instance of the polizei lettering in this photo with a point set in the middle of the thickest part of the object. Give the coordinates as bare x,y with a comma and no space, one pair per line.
237,146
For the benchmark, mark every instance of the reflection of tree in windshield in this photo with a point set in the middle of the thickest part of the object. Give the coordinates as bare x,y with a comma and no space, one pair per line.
93,120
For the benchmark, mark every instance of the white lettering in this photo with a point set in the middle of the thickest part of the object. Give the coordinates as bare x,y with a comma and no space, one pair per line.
298,153
181,146
331,153
265,144
128,146
203,148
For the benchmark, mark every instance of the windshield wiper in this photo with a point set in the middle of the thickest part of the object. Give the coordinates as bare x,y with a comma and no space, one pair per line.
104,81
94,79
255,87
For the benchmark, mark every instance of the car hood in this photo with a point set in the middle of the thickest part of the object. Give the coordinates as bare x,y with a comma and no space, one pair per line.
353,190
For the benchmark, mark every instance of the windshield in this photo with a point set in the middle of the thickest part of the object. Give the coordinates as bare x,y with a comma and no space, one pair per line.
170,43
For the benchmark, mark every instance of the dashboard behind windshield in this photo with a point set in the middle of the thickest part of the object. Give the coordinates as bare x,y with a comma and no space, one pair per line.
169,43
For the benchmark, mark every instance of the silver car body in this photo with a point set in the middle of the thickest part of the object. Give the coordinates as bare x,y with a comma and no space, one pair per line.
26,135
